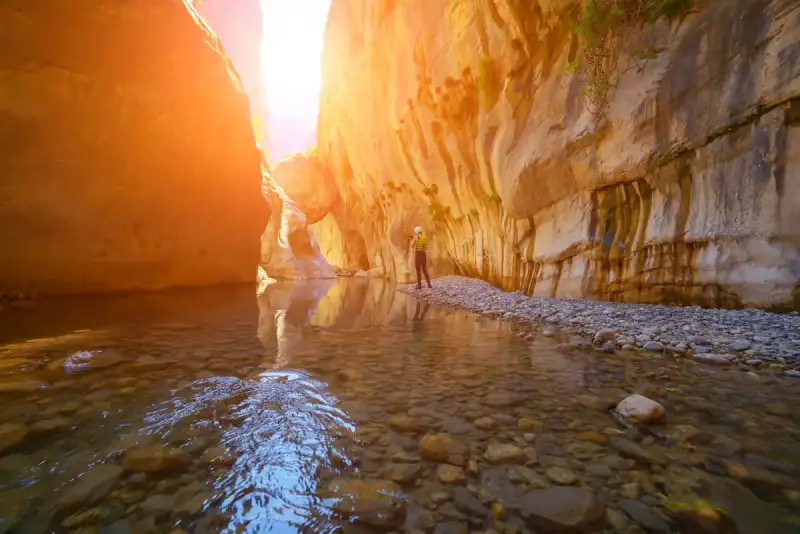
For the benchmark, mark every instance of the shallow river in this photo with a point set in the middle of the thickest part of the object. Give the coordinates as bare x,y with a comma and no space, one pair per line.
347,406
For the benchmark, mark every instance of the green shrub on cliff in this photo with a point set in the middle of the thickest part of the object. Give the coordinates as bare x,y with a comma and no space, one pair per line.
600,26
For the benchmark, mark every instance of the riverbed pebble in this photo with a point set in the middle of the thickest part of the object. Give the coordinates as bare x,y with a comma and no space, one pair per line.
641,409
753,338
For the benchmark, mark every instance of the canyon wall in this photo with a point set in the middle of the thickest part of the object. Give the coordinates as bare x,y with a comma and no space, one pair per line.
289,249
127,155
467,118
238,25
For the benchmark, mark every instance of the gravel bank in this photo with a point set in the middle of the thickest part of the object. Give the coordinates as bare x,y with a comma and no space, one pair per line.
750,339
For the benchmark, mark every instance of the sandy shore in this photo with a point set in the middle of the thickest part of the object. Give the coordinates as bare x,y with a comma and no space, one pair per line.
749,339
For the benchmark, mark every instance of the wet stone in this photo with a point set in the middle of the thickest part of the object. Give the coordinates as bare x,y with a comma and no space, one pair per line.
599,470
451,527
402,473
465,501
155,458
456,425
374,502
561,508
439,447
708,357
404,457
583,450
450,474
485,423
21,386
641,409
11,434
158,505
501,400
640,454
593,402
498,453
527,476
644,516
404,423
91,487
76,520
47,426
561,476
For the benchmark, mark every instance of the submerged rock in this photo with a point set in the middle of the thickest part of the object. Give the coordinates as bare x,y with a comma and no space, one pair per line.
498,453
561,475
47,426
11,435
89,516
155,458
439,447
561,508
637,452
158,505
450,474
401,472
750,514
404,423
90,488
641,409
20,386
709,357
374,502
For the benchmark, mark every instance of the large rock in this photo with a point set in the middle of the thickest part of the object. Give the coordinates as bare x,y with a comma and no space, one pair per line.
561,508
289,249
127,154
641,409
374,502
90,487
440,447
307,182
686,190
155,458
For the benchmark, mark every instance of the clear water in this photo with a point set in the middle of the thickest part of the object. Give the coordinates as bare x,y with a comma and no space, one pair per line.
257,414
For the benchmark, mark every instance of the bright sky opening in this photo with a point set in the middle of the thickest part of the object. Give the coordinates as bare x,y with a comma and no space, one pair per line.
291,60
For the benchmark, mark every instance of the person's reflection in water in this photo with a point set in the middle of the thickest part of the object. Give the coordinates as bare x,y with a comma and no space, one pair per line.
419,315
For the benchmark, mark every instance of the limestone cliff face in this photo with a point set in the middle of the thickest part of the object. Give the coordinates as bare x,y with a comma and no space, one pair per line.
463,116
127,157
238,24
289,249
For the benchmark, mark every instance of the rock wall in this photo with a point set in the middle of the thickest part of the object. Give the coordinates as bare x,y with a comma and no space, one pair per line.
289,249
465,117
238,24
127,156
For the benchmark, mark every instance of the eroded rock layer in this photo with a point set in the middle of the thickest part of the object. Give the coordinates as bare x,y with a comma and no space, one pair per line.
127,156
465,117
289,249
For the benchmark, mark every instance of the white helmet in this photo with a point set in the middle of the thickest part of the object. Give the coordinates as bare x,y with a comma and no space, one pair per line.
418,230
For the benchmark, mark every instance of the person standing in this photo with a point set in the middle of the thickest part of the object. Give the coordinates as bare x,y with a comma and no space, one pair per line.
420,245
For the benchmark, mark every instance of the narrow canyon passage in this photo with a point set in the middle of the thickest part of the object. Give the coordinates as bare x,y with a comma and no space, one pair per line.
346,406
198,335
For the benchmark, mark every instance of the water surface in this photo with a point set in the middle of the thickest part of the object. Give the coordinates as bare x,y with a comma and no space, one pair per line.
302,410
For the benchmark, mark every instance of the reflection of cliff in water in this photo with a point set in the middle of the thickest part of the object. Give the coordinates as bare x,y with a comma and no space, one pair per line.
285,310
293,316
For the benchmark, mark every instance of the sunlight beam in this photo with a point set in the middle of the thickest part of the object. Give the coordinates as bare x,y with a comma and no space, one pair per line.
291,62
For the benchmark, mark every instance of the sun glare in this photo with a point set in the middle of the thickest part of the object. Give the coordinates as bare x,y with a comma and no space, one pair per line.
291,61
